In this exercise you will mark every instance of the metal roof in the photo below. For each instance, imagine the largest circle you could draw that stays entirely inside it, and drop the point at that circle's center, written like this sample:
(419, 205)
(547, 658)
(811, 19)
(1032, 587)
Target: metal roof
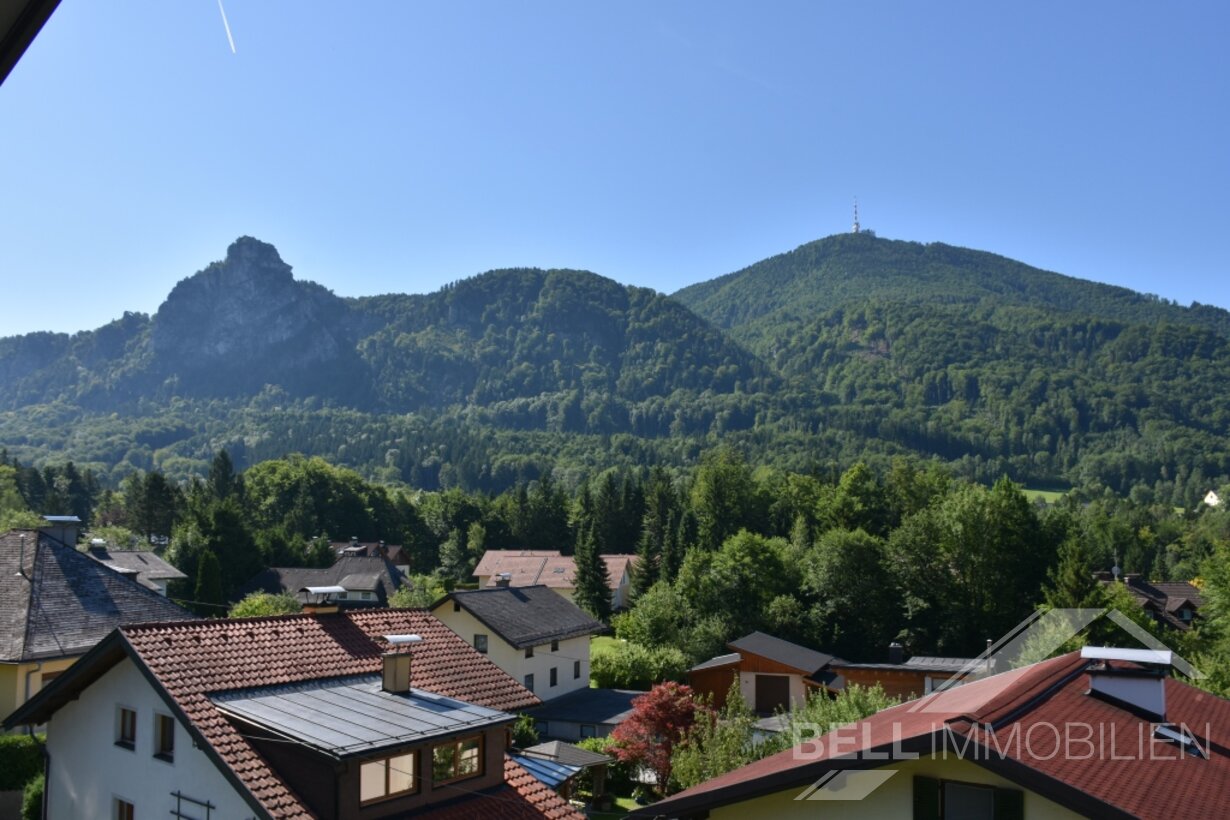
(546, 771)
(352, 715)
(716, 662)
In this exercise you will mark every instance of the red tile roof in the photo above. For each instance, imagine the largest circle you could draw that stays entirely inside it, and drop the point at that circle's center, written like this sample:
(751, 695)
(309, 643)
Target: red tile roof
(549, 568)
(522, 797)
(191, 660)
(1117, 779)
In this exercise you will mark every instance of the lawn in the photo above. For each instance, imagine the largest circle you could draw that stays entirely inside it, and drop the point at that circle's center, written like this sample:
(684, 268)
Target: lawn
(602, 643)
(1048, 496)
(623, 805)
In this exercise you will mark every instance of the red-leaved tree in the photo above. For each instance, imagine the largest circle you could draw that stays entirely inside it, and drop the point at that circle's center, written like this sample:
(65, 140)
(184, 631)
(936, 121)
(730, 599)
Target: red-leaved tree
(659, 720)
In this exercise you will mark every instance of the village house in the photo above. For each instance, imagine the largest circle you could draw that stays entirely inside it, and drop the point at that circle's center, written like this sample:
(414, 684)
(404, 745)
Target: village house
(334, 714)
(1172, 604)
(533, 634)
(364, 581)
(354, 548)
(908, 678)
(147, 568)
(1101, 733)
(56, 603)
(773, 674)
(523, 568)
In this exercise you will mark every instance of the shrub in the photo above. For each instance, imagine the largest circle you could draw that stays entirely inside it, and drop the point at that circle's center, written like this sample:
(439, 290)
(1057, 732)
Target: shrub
(32, 799)
(21, 760)
(633, 666)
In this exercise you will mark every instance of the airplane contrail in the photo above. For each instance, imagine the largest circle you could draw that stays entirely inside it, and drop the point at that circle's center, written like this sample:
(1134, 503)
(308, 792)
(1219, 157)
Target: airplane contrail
(227, 26)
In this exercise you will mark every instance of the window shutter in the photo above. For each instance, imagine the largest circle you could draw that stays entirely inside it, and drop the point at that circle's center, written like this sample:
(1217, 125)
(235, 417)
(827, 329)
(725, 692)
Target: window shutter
(926, 798)
(1009, 804)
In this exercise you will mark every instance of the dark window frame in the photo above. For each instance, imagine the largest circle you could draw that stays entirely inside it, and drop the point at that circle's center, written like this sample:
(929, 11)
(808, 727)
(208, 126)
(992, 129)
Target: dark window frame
(482, 650)
(164, 737)
(126, 728)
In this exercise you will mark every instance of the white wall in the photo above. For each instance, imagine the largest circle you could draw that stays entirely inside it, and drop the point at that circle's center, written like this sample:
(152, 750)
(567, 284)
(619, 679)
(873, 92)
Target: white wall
(514, 662)
(88, 771)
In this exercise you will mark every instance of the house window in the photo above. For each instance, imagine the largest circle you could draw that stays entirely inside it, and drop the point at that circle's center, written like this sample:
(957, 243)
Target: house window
(529, 682)
(554, 677)
(952, 800)
(456, 606)
(164, 737)
(457, 760)
(126, 727)
(529, 653)
(576, 669)
(388, 777)
(124, 810)
(554, 646)
(480, 643)
(367, 596)
(589, 730)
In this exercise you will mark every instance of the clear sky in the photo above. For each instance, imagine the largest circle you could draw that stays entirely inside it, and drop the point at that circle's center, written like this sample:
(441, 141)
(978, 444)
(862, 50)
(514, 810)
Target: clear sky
(396, 146)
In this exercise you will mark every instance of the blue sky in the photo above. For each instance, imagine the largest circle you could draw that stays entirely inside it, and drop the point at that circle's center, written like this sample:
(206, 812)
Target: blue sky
(396, 146)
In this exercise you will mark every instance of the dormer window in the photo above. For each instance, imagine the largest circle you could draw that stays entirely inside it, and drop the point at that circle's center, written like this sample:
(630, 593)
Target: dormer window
(1185, 615)
(457, 760)
(388, 777)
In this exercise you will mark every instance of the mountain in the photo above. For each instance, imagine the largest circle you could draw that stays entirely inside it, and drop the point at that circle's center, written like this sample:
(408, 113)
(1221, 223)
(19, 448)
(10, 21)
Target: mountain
(849, 348)
(770, 298)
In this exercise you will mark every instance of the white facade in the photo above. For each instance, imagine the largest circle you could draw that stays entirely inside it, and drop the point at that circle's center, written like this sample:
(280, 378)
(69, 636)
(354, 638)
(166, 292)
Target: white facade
(570, 660)
(88, 772)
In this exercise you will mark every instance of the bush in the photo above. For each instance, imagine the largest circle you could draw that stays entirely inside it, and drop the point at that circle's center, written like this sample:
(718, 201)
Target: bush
(618, 775)
(32, 799)
(262, 604)
(633, 666)
(21, 760)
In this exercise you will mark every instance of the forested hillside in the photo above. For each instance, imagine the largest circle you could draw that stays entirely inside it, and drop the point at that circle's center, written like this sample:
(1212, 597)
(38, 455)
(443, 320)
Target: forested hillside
(846, 349)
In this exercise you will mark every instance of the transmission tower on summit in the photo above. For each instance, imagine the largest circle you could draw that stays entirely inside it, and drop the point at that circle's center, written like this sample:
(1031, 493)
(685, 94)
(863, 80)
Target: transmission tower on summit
(856, 227)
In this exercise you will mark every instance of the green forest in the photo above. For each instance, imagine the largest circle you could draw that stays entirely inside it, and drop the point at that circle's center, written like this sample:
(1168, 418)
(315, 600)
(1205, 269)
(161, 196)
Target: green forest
(849, 349)
(848, 563)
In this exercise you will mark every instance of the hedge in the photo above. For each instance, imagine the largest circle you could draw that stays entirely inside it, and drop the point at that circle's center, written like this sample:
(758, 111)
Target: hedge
(21, 760)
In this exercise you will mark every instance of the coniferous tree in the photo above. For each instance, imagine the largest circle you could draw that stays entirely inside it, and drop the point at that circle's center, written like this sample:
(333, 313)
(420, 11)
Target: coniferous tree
(208, 596)
(592, 581)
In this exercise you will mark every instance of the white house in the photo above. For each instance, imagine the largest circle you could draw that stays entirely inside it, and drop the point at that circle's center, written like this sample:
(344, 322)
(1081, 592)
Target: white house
(354, 714)
(533, 634)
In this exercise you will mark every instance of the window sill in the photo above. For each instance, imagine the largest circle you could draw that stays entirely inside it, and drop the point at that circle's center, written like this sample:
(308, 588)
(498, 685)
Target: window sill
(164, 758)
(126, 744)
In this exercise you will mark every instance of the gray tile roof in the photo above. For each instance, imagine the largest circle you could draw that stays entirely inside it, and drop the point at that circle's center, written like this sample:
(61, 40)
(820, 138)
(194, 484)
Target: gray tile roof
(525, 616)
(807, 661)
(719, 661)
(348, 716)
(64, 602)
(145, 565)
(605, 706)
(567, 753)
(362, 574)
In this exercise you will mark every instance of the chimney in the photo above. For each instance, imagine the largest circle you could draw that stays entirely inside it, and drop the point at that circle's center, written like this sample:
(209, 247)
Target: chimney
(1136, 680)
(503, 579)
(63, 528)
(397, 664)
(319, 600)
(896, 653)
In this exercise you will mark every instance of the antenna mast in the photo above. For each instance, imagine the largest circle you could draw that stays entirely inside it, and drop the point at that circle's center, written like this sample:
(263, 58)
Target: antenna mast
(856, 227)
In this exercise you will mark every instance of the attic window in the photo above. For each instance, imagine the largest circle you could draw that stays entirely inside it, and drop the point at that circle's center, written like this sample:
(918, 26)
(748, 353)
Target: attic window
(457, 760)
(1181, 737)
(164, 738)
(387, 777)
